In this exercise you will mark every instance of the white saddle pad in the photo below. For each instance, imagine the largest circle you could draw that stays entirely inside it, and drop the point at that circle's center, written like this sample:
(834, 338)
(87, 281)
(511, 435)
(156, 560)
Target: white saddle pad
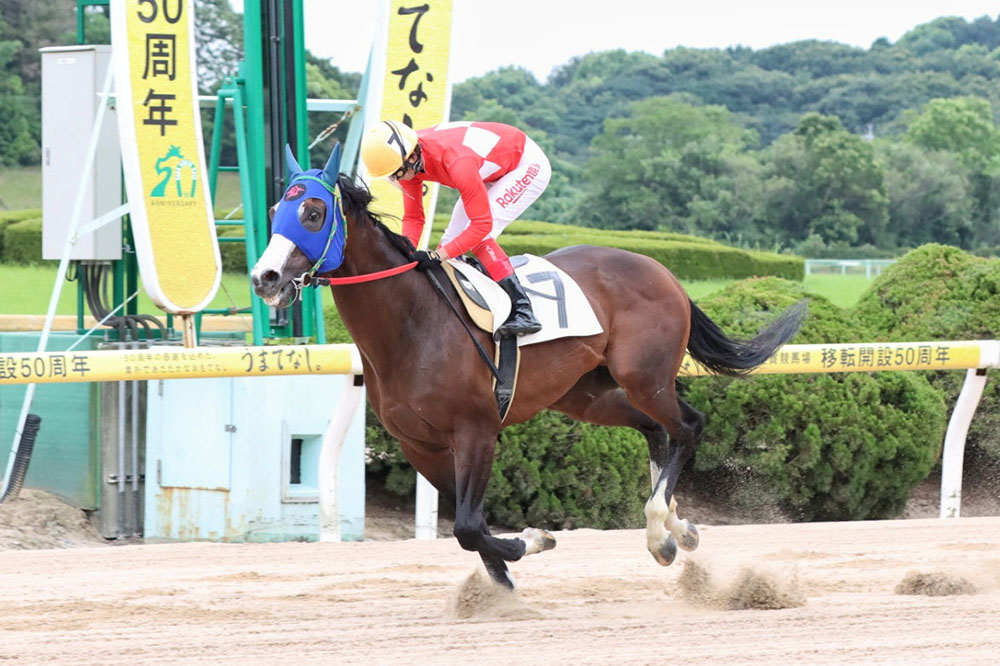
(556, 299)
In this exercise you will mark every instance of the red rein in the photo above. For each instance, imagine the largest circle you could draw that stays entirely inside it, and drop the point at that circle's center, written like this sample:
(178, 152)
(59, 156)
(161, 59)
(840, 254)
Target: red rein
(367, 277)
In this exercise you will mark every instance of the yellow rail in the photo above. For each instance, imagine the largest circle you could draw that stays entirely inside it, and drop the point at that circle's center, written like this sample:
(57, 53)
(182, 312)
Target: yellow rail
(181, 363)
(873, 357)
(177, 363)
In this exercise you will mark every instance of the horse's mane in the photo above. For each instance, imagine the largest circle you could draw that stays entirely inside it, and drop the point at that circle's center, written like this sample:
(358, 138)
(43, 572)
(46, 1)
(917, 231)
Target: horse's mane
(356, 198)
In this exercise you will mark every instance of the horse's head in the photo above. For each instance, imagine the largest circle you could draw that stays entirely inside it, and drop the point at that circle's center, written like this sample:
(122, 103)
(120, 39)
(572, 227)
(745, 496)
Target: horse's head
(308, 231)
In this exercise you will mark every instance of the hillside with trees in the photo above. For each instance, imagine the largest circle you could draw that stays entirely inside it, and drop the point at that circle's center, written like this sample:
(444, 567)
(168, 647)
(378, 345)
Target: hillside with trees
(814, 147)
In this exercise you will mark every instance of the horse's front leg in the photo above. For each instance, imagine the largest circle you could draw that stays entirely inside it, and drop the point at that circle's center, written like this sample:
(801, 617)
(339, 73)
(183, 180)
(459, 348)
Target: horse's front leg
(473, 462)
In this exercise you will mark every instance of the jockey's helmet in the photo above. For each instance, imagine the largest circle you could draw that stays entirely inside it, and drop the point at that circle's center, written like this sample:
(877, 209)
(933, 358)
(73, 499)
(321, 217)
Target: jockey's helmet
(386, 148)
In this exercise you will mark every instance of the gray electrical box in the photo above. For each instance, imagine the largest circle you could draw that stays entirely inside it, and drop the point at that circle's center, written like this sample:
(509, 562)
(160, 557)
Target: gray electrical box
(72, 79)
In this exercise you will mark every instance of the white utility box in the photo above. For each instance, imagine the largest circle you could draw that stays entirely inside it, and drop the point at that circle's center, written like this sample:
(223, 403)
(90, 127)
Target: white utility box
(72, 80)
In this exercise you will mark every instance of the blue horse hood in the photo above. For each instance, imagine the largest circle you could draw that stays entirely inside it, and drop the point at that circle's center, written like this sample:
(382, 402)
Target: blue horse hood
(325, 246)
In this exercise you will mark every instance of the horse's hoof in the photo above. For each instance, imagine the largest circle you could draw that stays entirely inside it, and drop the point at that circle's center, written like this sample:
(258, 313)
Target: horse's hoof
(689, 539)
(536, 540)
(666, 553)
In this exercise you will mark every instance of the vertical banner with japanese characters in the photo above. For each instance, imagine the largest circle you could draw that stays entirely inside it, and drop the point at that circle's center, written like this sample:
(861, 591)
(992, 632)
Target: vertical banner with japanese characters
(166, 177)
(409, 83)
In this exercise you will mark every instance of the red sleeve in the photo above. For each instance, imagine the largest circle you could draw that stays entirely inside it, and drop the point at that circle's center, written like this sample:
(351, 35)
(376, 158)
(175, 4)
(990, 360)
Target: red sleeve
(413, 209)
(464, 173)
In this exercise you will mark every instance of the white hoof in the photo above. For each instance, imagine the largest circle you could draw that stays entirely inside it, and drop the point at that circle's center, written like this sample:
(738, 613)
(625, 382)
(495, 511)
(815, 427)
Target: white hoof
(665, 552)
(536, 540)
(688, 537)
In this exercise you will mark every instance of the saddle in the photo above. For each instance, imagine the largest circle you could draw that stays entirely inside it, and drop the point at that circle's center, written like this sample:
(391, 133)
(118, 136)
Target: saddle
(556, 299)
(506, 353)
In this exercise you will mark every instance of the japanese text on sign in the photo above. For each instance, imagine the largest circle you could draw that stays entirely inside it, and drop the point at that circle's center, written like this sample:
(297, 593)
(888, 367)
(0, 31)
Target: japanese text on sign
(415, 75)
(159, 123)
(863, 357)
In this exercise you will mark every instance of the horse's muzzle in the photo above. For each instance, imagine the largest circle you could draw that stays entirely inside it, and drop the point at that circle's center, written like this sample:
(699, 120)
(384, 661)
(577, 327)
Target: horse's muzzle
(267, 285)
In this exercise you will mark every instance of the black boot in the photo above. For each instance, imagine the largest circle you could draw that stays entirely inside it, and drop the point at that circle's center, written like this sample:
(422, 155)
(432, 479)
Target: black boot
(521, 320)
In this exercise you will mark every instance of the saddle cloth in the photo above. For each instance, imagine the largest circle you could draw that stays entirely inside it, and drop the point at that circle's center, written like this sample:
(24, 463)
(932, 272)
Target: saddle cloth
(556, 299)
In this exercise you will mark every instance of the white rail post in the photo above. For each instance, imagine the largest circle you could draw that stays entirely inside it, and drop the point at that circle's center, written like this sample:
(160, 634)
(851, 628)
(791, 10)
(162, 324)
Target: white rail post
(426, 510)
(953, 457)
(329, 459)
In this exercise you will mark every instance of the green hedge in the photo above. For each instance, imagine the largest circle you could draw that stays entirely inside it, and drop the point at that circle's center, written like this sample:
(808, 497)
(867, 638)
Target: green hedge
(549, 472)
(687, 257)
(22, 242)
(234, 255)
(937, 292)
(817, 446)
(8, 218)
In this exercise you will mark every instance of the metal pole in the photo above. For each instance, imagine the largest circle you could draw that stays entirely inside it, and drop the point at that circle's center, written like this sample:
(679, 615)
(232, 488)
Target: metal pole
(121, 458)
(136, 503)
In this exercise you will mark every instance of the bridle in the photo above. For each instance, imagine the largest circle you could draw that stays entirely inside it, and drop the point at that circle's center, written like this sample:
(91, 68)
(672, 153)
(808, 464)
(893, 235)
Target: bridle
(308, 278)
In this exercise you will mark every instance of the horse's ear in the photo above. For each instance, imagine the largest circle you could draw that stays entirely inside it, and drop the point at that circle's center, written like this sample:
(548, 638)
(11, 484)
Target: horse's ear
(332, 168)
(292, 167)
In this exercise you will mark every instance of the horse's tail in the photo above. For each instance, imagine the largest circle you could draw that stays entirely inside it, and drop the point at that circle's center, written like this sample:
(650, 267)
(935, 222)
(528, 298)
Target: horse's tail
(725, 356)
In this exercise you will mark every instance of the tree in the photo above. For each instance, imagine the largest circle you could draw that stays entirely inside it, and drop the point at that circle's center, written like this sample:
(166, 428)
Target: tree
(648, 168)
(219, 35)
(18, 143)
(825, 181)
(928, 191)
(964, 126)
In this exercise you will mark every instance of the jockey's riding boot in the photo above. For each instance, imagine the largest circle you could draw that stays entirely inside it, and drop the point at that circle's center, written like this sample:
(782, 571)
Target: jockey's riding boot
(521, 320)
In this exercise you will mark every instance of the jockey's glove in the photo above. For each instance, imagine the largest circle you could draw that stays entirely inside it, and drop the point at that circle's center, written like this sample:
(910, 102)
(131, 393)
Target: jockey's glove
(425, 259)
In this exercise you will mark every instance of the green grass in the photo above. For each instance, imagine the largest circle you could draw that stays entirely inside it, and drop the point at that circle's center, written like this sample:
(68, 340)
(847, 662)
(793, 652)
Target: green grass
(841, 290)
(22, 188)
(34, 289)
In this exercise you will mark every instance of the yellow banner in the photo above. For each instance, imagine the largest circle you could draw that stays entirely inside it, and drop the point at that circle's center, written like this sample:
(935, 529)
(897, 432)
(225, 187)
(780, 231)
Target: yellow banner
(177, 363)
(866, 357)
(415, 87)
(162, 152)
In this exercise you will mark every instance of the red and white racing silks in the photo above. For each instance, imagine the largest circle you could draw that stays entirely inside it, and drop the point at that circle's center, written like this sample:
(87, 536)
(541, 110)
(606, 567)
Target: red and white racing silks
(497, 169)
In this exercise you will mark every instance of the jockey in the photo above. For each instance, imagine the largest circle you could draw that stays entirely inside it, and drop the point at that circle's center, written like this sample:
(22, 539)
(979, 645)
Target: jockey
(498, 171)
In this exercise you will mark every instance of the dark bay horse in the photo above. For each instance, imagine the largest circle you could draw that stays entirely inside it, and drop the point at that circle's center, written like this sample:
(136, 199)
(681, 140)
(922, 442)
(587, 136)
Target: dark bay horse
(432, 391)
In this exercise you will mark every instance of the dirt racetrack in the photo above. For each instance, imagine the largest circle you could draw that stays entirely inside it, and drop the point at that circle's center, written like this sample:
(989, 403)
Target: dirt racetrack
(827, 593)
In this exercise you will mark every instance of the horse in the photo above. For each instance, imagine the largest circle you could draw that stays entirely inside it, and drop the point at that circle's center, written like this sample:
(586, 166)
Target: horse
(431, 390)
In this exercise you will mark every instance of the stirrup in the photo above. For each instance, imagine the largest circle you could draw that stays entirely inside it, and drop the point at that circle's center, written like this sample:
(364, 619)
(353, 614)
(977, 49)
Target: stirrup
(515, 327)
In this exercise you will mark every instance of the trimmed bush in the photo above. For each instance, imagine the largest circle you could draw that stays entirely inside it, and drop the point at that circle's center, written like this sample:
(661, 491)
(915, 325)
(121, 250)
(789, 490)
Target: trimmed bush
(548, 472)
(22, 242)
(687, 257)
(819, 447)
(8, 218)
(690, 261)
(937, 292)
(234, 255)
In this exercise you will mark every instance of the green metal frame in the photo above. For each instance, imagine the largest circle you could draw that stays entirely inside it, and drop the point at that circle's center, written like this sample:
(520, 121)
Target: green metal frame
(233, 92)
(248, 94)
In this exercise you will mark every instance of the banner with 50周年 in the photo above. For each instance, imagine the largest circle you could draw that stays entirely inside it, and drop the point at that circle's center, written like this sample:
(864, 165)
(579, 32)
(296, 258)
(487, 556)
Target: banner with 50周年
(163, 156)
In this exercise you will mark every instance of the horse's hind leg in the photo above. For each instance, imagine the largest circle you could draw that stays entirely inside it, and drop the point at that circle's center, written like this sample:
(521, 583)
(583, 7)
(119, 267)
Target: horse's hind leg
(665, 464)
(597, 398)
